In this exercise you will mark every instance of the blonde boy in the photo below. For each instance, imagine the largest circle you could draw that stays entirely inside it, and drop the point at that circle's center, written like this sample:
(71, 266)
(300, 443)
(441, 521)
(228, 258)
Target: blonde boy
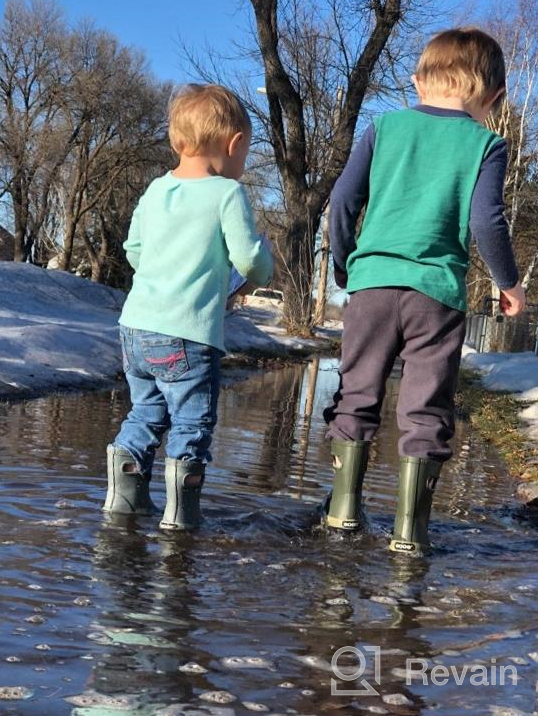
(426, 175)
(189, 227)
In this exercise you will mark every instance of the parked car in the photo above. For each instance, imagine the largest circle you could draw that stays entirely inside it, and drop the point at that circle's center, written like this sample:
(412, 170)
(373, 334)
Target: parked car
(264, 297)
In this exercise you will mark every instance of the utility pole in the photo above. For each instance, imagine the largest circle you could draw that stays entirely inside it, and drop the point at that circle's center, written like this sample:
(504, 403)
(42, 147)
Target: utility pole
(321, 297)
(325, 248)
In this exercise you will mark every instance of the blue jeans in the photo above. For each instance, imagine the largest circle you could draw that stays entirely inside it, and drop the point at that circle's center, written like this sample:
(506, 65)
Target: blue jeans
(174, 385)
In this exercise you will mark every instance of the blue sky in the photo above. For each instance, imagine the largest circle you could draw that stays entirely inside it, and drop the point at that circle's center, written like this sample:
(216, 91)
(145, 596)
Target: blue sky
(155, 25)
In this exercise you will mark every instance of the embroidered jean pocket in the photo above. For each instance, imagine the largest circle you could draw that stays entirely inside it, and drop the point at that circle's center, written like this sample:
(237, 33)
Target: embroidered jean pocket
(165, 357)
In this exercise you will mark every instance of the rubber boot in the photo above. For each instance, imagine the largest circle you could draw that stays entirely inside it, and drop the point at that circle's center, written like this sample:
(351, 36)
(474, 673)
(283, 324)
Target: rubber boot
(344, 508)
(418, 477)
(128, 492)
(182, 510)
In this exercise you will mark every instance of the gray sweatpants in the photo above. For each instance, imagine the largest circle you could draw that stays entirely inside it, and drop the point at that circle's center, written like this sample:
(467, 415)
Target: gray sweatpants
(379, 325)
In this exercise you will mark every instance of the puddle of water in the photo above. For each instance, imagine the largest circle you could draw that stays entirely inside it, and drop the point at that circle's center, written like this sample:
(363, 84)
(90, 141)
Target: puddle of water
(102, 618)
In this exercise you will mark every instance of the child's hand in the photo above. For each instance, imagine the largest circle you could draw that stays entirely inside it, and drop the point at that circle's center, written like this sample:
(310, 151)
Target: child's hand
(512, 300)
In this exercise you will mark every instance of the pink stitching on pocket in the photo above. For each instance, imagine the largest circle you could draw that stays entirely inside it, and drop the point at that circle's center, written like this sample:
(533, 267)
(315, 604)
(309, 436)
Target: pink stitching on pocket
(169, 361)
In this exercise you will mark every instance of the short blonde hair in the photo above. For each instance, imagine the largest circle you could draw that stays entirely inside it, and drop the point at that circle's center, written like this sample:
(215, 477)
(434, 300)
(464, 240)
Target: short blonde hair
(202, 115)
(464, 62)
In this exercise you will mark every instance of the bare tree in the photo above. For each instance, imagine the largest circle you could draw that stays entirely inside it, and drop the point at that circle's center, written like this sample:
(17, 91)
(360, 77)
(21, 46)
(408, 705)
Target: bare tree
(298, 57)
(31, 147)
(307, 51)
(119, 116)
(82, 133)
(517, 122)
(104, 229)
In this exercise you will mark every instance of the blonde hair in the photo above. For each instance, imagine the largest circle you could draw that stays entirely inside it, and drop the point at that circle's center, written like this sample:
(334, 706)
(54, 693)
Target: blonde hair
(202, 115)
(464, 62)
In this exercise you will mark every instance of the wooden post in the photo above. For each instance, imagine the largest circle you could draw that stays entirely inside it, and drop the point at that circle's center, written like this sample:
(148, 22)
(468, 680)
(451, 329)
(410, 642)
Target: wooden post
(325, 252)
(325, 248)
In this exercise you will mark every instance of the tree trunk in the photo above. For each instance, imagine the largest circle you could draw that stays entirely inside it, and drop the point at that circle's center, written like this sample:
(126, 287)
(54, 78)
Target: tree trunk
(299, 277)
(97, 270)
(298, 305)
(20, 252)
(529, 273)
(64, 262)
(103, 258)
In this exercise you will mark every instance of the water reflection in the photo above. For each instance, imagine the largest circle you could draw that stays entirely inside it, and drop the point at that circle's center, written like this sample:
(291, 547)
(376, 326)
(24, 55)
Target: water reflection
(109, 615)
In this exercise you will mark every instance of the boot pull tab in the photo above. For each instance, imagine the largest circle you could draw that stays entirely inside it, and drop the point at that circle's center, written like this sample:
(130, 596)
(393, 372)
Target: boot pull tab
(129, 468)
(194, 476)
(192, 479)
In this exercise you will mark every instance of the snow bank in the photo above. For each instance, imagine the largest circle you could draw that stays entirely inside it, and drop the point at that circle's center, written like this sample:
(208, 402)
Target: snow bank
(268, 320)
(515, 373)
(57, 331)
(242, 336)
(511, 372)
(60, 332)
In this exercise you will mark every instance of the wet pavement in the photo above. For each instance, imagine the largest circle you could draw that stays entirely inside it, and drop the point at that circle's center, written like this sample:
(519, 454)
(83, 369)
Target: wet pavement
(104, 618)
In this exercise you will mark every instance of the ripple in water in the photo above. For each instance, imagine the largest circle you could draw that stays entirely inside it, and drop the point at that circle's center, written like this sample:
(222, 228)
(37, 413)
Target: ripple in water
(110, 616)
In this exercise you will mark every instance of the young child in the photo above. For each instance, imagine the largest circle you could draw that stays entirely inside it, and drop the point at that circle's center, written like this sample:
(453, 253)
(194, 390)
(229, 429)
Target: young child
(189, 227)
(426, 175)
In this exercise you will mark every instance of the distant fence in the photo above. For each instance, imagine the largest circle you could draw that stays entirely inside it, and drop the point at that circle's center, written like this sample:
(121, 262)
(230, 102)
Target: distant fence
(492, 331)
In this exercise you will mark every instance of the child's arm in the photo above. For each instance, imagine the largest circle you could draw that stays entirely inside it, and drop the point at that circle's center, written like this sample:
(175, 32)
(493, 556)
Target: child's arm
(348, 196)
(247, 251)
(490, 229)
(133, 244)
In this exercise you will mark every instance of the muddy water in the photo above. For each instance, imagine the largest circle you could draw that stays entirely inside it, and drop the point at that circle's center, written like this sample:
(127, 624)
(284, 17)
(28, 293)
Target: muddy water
(102, 618)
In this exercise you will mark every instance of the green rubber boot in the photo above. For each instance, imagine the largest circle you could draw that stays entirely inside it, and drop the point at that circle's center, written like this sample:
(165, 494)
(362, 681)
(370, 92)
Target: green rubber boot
(344, 509)
(418, 477)
(128, 492)
(182, 510)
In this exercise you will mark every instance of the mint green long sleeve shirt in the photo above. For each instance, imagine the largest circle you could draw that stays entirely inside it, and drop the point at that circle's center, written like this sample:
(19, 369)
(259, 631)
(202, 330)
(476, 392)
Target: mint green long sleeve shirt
(185, 234)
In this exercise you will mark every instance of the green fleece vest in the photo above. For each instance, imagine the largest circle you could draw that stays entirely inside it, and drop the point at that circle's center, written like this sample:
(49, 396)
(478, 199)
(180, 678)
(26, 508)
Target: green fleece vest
(415, 231)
